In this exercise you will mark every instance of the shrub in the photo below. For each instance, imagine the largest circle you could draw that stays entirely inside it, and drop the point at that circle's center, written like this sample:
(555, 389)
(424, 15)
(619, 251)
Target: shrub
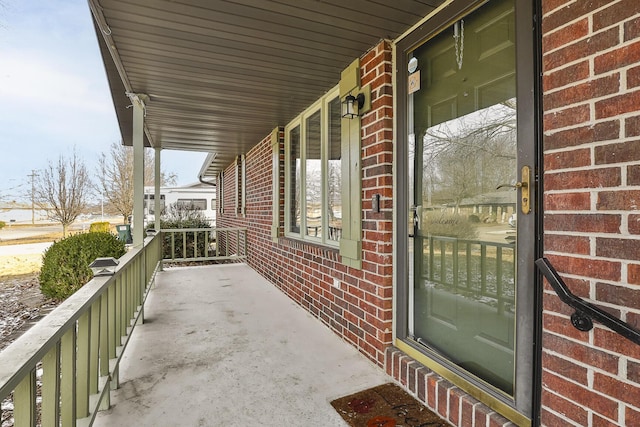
(100, 227)
(181, 216)
(2, 225)
(65, 265)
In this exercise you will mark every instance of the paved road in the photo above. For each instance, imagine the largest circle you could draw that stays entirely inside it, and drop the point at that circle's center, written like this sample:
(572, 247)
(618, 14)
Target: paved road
(23, 232)
(25, 249)
(15, 233)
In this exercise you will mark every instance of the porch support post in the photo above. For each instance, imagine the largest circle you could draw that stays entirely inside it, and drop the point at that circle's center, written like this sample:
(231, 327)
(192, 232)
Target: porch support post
(156, 198)
(138, 168)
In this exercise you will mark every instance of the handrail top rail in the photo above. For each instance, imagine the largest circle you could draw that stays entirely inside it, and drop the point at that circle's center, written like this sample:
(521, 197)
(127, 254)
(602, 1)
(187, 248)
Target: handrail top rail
(180, 230)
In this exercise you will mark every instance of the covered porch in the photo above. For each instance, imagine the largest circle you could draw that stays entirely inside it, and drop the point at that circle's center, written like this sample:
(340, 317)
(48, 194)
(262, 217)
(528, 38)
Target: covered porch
(221, 346)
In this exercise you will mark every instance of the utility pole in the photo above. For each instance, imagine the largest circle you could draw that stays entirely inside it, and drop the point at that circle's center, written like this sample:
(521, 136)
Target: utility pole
(33, 193)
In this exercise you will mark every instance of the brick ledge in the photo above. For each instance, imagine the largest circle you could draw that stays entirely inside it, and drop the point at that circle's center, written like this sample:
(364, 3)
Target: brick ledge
(438, 394)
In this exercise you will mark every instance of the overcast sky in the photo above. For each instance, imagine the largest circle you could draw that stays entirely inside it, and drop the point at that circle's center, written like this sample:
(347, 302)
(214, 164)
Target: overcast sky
(54, 94)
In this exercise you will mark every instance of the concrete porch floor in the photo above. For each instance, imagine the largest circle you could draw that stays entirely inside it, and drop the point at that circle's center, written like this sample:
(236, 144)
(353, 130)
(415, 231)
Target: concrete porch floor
(221, 346)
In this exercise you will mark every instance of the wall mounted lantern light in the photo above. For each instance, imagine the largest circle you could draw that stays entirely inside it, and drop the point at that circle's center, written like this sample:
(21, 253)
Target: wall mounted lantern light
(351, 106)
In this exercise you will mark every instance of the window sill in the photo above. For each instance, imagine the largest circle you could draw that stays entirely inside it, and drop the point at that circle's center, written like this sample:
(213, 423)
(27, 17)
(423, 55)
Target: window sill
(311, 247)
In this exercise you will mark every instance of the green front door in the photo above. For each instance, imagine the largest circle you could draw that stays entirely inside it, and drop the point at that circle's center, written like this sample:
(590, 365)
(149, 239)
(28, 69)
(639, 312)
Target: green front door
(466, 194)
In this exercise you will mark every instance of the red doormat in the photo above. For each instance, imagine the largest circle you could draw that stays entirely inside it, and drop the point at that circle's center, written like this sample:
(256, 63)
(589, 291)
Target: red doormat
(386, 405)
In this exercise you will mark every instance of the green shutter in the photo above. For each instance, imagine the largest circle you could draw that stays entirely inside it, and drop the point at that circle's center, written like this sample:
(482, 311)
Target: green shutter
(351, 240)
(275, 205)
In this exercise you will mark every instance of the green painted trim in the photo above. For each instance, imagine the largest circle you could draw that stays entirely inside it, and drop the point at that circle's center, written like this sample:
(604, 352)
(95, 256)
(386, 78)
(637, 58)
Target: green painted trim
(275, 187)
(351, 154)
(94, 346)
(68, 377)
(24, 396)
(470, 388)
(243, 186)
(82, 365)
(350, 248)
(138, 174)
(51, 387)
(350, 78)
(236, 167)
(355, 179)
(275, 140)
(353, 263)
(104, 334)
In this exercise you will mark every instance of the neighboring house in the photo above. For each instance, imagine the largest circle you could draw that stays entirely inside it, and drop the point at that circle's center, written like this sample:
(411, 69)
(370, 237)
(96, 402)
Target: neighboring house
(197, 196)
(459, 97)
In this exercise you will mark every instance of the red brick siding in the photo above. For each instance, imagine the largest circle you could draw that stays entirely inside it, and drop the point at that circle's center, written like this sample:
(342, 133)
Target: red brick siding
(591, 103)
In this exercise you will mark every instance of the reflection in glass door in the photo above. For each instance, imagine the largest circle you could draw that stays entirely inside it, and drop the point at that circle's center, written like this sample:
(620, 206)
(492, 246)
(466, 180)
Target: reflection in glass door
(464, 167)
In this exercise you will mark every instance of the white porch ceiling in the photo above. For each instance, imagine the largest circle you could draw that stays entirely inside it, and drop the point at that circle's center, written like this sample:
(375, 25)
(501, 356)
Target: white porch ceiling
(221, 74)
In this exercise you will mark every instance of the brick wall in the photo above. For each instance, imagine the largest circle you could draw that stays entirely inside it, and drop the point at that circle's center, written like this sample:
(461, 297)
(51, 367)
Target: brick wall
(591, 84)
(360, 308)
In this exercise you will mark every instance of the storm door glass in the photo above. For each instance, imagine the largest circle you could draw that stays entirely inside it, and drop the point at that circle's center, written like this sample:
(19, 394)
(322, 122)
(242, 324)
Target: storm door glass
(463, 148)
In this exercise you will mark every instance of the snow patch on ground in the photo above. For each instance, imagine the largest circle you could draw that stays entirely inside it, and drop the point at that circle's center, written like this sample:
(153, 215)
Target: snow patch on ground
(21, 305)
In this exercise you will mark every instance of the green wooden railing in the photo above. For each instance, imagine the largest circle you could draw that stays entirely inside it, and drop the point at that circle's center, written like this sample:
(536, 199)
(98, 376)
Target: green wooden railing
(204, 244)
(69, 361)
(471, 267)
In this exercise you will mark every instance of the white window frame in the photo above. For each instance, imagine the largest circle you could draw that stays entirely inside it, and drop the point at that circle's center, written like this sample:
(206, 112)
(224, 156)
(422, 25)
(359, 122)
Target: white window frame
(320, 105)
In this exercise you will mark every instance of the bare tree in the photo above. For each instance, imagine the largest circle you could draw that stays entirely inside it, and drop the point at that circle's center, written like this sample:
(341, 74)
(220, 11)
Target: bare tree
(62, 190)
(470, 155)
(115, 181)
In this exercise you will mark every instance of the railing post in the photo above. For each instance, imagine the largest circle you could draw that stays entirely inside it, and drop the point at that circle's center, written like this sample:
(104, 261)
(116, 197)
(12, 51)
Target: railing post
(122, 306)
(68, 375)
(161, 251)
(483, 269)
(499, 285)
(142, 284)
(184, 244)
(443, 261)
(82, 366)
(51, 387)
(105, 345)
(94, 348)
(134, 278)
(455, 264)
(24, 398)
(432, 255)
(112, 319)
(468, 262)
